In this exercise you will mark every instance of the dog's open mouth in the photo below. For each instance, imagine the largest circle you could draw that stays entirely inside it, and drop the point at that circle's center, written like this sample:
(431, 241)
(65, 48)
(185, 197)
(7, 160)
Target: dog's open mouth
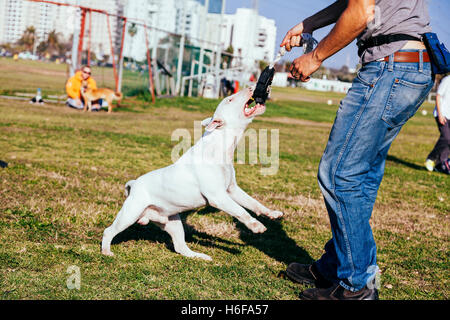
(252, 109)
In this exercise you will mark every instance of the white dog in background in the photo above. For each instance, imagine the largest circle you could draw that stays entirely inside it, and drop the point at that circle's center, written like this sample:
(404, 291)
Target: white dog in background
(203, 175)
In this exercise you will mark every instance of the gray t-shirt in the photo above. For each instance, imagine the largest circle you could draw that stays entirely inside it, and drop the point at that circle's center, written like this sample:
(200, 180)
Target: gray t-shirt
(394, 17)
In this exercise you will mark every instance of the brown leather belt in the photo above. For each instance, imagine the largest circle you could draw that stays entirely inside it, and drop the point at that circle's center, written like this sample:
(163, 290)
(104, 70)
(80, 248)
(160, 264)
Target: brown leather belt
(406, 56)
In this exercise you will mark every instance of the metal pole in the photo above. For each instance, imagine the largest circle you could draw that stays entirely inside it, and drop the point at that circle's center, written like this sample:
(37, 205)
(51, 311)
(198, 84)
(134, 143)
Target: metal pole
(81, 38)
(124, 30)
(202, 45)
(149, 63)
(191, 79)
(219, 49)
(181, 51)
(76, 39)
(155, 41)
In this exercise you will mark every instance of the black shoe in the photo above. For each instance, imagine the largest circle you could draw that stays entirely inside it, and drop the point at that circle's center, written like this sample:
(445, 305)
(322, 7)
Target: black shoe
(443, 167)
(307, 274)
(337, 292)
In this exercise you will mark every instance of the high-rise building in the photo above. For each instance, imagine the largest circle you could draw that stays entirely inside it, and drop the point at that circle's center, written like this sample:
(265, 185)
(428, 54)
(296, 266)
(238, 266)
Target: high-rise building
(17, 15)
(252, 36)
(155, 14)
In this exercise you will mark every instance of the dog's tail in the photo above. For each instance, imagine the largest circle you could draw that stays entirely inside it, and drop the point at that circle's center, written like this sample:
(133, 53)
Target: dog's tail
(128, 186)
(119, 97)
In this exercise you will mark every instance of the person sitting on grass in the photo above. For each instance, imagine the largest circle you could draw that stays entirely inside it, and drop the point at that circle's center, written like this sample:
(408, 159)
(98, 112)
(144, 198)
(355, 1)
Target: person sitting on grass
(73, 89)
(438, 158)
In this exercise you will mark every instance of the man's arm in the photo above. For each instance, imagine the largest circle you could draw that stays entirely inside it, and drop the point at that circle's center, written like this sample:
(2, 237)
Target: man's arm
(70, 90)
(319, 20)
(92, 84)
(441, 91)
(442, 120)
(325, 17)
(350, 24)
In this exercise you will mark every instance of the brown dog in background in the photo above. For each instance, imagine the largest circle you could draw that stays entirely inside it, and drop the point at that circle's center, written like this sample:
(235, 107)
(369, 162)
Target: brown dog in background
(90, 95)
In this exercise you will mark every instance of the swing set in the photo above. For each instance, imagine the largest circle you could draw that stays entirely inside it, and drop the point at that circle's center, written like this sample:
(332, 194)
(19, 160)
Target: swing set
(87, 12)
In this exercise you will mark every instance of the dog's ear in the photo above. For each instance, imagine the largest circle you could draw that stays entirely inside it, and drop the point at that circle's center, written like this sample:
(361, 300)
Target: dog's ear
(214, 124)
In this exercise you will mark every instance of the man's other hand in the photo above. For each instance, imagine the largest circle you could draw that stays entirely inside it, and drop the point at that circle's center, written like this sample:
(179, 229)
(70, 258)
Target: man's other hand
(442, 120)
(304, 66)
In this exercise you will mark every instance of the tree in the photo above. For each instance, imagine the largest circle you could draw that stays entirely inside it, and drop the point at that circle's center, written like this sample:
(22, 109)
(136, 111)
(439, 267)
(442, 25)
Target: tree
(262, 65)
(53, 45)
(28, 38)
(228, 58)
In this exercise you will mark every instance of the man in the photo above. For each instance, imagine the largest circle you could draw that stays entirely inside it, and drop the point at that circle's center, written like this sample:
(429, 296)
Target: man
(438, 158)
(73, 89)
(394, 80)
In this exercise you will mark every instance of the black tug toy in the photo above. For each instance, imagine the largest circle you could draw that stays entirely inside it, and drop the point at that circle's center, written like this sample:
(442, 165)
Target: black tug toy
(262, 89)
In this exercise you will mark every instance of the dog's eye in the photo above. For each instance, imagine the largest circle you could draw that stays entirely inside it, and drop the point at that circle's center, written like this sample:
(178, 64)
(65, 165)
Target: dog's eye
(230, 99)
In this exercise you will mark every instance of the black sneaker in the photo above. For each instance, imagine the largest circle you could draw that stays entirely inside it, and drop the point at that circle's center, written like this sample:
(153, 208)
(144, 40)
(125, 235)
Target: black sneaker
(337, 292)
(443, 167)
(307, 274)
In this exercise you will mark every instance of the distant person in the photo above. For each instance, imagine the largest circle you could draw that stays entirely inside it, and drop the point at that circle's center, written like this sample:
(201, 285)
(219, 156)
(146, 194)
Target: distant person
(395, 78)
(438, 158)
(73, 89)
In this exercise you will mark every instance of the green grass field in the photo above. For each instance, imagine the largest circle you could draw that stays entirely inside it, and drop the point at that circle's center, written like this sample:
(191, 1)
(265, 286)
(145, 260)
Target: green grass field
(64, 185)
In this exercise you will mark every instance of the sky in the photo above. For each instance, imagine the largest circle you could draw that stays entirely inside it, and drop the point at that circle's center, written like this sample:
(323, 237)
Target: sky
(288, 13)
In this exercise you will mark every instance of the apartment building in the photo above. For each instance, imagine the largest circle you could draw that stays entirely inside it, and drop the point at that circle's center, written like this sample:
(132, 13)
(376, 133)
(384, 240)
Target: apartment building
(20, 14)
(253, 37)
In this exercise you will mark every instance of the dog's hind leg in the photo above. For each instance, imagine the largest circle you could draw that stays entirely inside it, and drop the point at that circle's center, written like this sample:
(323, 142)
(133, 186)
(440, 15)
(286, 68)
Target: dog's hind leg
(174, 227)
(110, 106)
(128, 215)
(152, 213)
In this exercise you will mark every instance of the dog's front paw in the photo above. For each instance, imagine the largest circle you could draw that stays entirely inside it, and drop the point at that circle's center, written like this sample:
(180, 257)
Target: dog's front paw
(275, 215)
(256, 226)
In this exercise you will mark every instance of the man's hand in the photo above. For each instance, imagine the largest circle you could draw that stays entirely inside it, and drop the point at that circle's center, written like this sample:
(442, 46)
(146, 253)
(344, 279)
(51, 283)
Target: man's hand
(442, 120)
(304, 66)
(293, 37)
(351, 16)
(319, 20)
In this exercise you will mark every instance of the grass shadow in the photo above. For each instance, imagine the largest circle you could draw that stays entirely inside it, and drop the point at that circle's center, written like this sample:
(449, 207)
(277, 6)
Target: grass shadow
(405, 163)
(153, 233)
(275, 243)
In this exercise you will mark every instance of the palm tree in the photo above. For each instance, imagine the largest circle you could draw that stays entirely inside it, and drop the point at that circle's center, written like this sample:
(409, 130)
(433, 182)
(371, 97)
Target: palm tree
(28, 38)
(54, 47)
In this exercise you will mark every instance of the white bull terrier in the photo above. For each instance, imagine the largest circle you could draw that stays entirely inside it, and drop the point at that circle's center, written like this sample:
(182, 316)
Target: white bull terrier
(203, 175)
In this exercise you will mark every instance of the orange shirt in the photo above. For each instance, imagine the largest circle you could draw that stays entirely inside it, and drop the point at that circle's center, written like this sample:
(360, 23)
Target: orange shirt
(73, 85)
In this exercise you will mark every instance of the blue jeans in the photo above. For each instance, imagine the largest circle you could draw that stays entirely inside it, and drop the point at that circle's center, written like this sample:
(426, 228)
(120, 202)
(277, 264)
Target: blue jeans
(72, 104)
(383, 96)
